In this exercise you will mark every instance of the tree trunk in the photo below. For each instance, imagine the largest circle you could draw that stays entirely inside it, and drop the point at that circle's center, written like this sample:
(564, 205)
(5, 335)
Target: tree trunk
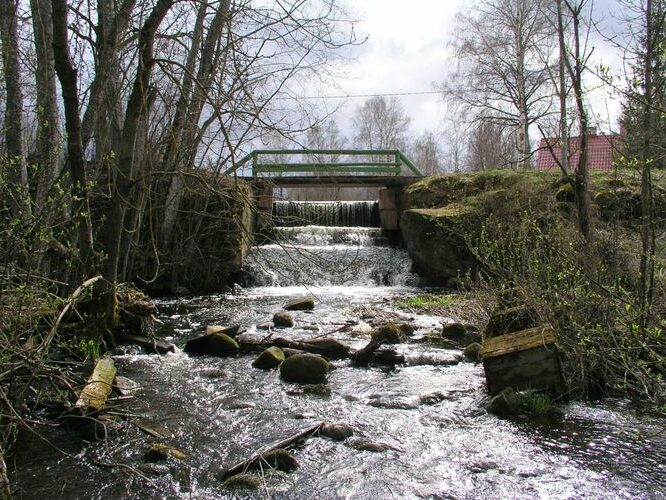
(188, 136)
(564, 128)
(16, 163)
(126, 164)
(647, 156)
(70, 97)
(48, 137)
(581, 191)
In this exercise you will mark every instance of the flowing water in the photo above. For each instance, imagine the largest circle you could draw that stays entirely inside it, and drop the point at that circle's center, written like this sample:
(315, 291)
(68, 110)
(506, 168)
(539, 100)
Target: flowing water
(425, 416)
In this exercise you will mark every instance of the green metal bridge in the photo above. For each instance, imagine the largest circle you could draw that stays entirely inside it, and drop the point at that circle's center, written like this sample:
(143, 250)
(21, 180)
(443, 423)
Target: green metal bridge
(368, 167)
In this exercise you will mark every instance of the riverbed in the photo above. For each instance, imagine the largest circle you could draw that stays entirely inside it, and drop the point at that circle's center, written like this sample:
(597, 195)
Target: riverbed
(420, 428)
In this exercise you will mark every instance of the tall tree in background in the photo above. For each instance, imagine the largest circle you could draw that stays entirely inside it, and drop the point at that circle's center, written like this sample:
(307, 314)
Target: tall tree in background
(489, 146)
(426, 153)
(381, 124)
(15, 171)
(504, 53)
(644, 118)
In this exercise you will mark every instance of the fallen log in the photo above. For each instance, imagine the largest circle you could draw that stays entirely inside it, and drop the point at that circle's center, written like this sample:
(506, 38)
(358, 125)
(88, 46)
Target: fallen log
(328, 348)
(99, 385)
(256, 460)
(363, 356)
(153, 346)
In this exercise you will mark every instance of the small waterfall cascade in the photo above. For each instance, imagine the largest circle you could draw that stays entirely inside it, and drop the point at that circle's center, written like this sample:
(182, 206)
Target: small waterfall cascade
(326, 213)
(325, 244)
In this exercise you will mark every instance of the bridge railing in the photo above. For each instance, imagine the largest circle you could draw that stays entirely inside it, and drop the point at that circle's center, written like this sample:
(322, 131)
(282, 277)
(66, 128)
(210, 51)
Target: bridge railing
(391, 163)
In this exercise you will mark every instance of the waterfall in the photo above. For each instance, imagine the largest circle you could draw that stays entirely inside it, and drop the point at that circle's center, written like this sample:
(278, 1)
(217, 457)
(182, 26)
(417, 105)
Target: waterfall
(326, 244)
(326, 213)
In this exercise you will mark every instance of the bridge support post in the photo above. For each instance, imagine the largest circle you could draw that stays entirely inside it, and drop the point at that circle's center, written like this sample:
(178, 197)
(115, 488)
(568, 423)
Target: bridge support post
(263, 195)
(389, 209)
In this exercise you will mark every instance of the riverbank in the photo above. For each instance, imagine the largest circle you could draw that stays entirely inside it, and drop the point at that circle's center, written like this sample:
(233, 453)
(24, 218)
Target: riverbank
(514, 232)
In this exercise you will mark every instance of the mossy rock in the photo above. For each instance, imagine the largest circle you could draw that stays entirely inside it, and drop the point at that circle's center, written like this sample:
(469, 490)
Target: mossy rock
(337, 432)
(269, 359)
(216, 344)
(243, 481)
(231, 331)
(454, 331)
(302, 304)
(281, 459)
(283, 320)
(472, 352)
(510, 320)
(388, 333)
(304, 369)
(565, 193)
(436, 240)
(321, 390)
(160, 452)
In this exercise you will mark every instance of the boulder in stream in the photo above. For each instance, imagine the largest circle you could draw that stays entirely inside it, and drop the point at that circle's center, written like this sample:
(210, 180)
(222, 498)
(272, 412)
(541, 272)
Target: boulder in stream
(280, 459)
(300, 304)
(232, 331)
(269, 359)
(473, 352)
(337, 432)
(160, 452)
(243, 481)
(388, 333)
(283, 320)
(216, 344)
(304, 369)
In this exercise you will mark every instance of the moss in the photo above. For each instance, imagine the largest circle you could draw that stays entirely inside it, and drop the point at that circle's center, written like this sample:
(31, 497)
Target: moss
(388, 333)
(243, 481)
(269, 359)
(426, 302)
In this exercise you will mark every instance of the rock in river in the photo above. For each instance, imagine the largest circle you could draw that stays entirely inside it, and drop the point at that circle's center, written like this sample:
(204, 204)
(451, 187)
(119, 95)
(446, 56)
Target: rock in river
(216, 344)
(269, 359)
(283, 319)
(281, 459)
(305, 369)
(301, 304)
(337, 432)
(243, 481)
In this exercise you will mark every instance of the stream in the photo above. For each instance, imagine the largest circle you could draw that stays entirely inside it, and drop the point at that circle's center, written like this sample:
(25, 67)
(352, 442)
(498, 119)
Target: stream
(431, 436)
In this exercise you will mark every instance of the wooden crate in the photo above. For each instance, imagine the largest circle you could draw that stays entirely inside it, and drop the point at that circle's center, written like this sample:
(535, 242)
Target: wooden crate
(527, 359)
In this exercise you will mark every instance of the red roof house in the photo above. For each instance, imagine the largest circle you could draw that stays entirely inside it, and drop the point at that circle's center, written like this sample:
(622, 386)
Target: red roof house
(601, 151)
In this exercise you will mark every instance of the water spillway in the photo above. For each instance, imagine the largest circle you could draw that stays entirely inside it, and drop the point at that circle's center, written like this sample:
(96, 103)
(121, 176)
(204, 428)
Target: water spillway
(326, 213)
(334, 244)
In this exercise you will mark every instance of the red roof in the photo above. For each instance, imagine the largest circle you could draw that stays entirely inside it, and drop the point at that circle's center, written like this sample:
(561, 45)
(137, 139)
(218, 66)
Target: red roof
(601, 151)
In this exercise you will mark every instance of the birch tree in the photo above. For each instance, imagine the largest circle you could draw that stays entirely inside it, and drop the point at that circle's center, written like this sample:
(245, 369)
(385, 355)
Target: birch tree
(503, 54)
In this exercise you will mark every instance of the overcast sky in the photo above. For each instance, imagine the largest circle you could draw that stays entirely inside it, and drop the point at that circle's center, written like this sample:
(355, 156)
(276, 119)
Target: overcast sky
(408, 51)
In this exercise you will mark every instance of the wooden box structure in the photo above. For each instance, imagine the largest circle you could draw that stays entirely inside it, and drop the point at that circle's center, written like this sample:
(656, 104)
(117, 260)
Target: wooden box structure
(527, 359)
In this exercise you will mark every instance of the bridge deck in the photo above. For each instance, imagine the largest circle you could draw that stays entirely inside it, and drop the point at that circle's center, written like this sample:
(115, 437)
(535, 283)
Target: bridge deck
(338, 180)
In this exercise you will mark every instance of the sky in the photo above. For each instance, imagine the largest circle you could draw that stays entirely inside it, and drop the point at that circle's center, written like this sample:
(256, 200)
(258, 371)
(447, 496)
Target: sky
(408, 51)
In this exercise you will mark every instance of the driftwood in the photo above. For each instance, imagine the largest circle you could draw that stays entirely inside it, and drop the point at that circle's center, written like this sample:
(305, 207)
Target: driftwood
(256, 460)
(151, 345)
(329, 348)
(363, 356)
(99, 385)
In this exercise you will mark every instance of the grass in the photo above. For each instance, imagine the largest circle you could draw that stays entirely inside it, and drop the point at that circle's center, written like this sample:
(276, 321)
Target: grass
(427, 302)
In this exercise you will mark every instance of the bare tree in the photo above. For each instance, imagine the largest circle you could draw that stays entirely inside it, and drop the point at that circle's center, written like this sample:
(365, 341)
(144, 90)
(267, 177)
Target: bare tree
(489, 146)
(426, 153)
(381, 124)
(15, 163)
(504, 51)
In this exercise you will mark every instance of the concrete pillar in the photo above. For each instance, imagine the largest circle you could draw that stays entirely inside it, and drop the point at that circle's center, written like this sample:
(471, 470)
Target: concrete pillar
(389, 215)
(263, 196)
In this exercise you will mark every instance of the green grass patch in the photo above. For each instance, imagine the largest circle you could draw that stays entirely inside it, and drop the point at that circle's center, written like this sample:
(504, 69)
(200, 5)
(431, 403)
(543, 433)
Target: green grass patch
(426, 302)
